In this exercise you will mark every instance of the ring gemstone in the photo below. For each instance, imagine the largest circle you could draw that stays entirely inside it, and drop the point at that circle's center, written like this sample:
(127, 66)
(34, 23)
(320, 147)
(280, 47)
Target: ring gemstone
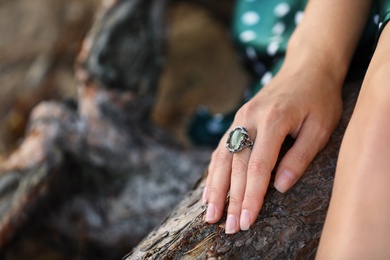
(238, 139)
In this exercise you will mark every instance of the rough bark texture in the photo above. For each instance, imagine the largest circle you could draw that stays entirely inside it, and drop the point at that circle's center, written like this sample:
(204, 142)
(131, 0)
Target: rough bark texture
(288, 226)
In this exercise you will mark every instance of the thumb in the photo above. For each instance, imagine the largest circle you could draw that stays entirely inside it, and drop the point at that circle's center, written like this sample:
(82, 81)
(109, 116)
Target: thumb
(300, 155)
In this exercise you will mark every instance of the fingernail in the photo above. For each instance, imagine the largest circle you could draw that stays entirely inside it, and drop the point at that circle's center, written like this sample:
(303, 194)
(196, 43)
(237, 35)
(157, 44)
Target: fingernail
(231, 224)
(284, 181)
(210, 213)
(245, 219)
(206, 193)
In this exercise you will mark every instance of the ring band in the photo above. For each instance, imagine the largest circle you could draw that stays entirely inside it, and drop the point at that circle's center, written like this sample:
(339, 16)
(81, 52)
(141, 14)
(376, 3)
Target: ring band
(238, 139)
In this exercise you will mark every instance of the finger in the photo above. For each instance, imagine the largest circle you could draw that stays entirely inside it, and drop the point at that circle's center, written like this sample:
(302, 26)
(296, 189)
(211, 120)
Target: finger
(219, 185)
(237, 189)
(211, 168)
(261, 162)
(206, 191)
(309, 142)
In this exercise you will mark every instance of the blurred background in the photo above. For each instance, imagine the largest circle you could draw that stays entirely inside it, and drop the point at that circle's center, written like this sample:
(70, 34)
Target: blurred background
(39, 41)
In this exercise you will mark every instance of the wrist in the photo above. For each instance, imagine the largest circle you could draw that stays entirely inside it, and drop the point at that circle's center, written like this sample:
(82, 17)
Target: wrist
(309, 53)
(327, 44)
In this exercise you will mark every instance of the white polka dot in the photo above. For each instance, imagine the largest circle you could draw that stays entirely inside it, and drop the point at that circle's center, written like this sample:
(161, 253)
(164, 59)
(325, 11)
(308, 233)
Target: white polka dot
(276, 38)
(272, 48)
(380, 25)
(298, 17)
(247, 36)
(278, 28)
(250, 18)
(267, 77)
(251, 53)
(376, 18)
(282, 9)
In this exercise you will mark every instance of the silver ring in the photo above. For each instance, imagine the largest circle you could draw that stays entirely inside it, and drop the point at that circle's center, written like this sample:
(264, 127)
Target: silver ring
(238, 139)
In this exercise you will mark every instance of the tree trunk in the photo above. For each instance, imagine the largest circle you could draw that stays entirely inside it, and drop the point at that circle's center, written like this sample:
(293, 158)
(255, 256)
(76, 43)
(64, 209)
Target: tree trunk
(288, 226)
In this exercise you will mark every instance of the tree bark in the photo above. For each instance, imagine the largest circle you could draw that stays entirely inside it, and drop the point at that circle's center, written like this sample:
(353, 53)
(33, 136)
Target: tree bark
(288, 226)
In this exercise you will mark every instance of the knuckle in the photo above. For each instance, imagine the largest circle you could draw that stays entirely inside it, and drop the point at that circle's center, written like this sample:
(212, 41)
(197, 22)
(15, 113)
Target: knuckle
(256, 166)
(272, 110)
(323, 134)
(215, 192)
(234, 202)
(238, 172)
(246, 111)
(252, 199)
(302, 157)
(275, 113)
(221, 158)
(322, 130)
(276, 119)
(239, 167)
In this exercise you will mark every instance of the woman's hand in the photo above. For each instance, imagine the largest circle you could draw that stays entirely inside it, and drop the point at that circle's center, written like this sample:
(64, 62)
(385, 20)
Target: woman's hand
(305, 104)
(303, 100)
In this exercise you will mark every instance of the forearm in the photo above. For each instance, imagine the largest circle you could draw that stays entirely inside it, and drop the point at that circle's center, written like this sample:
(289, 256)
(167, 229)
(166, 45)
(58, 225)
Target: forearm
(328, 35)
(358, 223)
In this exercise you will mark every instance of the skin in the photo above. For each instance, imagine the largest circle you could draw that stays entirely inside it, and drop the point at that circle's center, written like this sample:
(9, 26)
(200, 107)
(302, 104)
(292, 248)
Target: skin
(303, 100)
(357, 224)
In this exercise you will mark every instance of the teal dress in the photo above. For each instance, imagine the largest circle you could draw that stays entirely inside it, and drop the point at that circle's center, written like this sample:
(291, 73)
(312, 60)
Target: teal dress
(261, 30)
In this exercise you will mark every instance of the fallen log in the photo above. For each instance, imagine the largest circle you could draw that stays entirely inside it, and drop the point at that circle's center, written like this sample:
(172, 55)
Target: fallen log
(288, 226)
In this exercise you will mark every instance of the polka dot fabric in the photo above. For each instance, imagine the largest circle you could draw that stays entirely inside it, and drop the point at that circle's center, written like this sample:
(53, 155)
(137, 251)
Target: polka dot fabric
(384, 13)
(266, 25)
(262, 29)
